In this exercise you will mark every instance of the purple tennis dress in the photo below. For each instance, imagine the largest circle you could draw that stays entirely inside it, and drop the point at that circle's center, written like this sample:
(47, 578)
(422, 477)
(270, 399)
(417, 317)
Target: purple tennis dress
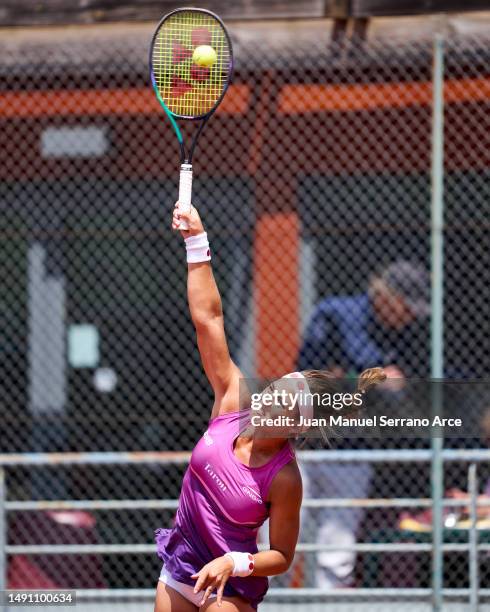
(221, 507)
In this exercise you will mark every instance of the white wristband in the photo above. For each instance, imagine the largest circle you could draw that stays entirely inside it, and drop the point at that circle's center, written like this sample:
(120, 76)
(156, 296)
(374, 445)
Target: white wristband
(197, 248)
(243, 563)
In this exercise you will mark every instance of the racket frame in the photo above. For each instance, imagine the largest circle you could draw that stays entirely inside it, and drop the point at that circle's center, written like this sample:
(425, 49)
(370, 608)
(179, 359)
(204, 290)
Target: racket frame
(185, 182)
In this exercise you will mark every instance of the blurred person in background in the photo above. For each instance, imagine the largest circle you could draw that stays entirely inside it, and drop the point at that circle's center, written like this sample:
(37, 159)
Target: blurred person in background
(483, 512)
(380, 325)
(385, 325)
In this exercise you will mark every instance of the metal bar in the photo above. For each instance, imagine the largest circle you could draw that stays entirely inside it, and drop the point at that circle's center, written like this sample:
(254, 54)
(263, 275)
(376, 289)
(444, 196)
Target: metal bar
(96, 504)
(401, 502)
(383, 548)
(275, 593)
(437, 314)
(322, 502)
(182, 458)
(172, 504)
(437, 490)
(477, 455)
(362, 593)
(391, 456)
(123, 549)
(375, 456)
(55, 459)
(473, 537)
(378, 456)
(3, 534)
(80, 549)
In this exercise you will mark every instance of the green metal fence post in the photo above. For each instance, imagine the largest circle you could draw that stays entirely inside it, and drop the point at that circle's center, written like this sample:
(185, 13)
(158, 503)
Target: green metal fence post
(473, 538)
(3, 540)
(437, 314)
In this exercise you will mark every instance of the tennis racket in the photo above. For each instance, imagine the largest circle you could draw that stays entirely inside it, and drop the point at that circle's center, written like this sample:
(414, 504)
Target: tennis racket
(191, 62)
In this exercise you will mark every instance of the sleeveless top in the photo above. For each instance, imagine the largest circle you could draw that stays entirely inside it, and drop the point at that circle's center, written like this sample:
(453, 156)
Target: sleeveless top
(221, 507)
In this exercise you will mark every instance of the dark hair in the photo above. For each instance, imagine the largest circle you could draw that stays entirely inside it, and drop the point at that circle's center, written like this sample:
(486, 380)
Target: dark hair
(322, 382)
(370, 378)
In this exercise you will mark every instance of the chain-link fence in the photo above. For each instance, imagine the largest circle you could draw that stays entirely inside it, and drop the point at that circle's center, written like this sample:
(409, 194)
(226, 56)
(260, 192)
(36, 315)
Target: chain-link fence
(314, 183)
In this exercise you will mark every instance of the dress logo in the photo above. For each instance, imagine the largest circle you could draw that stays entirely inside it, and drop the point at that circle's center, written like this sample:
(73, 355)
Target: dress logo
(252, 494)
(208, 440)
(208, 468)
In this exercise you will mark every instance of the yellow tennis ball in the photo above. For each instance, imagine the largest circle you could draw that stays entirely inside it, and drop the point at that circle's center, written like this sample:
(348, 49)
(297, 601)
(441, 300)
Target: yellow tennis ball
(204, 55)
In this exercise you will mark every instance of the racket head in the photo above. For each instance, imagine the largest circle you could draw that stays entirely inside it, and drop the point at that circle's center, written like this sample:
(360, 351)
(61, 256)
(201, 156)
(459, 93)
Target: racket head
(185, 89)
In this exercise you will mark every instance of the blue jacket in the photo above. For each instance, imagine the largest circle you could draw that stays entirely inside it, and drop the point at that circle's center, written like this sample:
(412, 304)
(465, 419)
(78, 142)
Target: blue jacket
(343, 332)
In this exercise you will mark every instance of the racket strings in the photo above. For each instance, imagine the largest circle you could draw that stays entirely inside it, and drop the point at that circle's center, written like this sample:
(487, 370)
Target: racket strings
(187, 89)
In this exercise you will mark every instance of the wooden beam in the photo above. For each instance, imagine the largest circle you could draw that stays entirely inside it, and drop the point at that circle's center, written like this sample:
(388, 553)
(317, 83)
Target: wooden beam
(32, 12)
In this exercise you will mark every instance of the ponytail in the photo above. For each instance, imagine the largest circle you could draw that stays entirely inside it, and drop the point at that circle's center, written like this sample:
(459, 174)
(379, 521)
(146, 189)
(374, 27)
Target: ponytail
(369, 378)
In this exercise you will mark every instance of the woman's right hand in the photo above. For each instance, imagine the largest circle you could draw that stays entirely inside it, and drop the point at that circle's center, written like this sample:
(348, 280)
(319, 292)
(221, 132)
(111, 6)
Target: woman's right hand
(214, 575)
(193, 221)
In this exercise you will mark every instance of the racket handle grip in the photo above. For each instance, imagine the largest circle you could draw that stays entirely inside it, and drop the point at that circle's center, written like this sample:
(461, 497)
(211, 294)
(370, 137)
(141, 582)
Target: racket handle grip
(185, 191)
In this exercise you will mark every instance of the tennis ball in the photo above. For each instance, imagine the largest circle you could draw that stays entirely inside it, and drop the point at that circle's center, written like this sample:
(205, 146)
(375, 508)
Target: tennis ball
(204, 55)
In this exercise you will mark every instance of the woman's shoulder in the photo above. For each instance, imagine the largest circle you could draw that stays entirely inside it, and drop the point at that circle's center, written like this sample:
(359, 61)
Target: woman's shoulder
(289, 473)
(234, 400)
(287, 482)
(235, 422)
(230, 416)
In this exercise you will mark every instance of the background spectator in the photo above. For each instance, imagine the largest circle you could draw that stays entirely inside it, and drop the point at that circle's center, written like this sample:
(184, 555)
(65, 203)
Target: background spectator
(384, 325)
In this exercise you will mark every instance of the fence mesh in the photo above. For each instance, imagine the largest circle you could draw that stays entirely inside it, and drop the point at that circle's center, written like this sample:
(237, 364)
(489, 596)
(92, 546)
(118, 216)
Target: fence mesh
(314, 184)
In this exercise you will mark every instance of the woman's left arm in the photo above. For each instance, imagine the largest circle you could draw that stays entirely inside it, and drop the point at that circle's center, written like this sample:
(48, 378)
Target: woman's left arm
(285, 496)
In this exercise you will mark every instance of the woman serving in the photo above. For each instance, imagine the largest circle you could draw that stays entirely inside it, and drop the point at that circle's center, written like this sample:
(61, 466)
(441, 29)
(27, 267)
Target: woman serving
(235, 481)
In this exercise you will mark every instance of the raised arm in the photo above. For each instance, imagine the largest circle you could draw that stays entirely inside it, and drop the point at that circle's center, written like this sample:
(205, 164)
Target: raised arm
(207, 316)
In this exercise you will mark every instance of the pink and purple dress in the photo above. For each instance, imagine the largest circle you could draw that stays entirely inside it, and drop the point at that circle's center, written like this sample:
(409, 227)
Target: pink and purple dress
(222, 505)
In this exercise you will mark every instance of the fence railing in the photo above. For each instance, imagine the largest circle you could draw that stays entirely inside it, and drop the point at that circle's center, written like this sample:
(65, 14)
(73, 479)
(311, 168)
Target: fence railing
(54, 460)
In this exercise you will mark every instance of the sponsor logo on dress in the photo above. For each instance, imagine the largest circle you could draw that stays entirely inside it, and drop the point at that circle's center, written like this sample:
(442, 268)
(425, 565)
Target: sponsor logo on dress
(214, 477)
(252, 494)
(208, 440)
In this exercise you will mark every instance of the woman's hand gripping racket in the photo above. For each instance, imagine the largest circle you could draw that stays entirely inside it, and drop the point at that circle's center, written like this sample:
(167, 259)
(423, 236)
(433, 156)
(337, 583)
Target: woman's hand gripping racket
(191, 62)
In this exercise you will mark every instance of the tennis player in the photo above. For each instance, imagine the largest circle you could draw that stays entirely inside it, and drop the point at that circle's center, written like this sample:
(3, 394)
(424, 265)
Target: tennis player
(234, 481)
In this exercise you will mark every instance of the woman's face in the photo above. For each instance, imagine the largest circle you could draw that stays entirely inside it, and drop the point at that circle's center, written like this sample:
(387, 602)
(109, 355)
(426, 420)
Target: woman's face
(392, 310)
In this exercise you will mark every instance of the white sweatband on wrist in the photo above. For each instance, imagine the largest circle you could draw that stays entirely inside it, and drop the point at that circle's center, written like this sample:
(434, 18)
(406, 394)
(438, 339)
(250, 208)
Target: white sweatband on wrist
(243, 563)
(197, 248)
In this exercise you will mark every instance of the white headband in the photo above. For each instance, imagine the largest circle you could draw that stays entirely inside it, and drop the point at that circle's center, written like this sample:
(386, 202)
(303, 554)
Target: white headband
(305, 399)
